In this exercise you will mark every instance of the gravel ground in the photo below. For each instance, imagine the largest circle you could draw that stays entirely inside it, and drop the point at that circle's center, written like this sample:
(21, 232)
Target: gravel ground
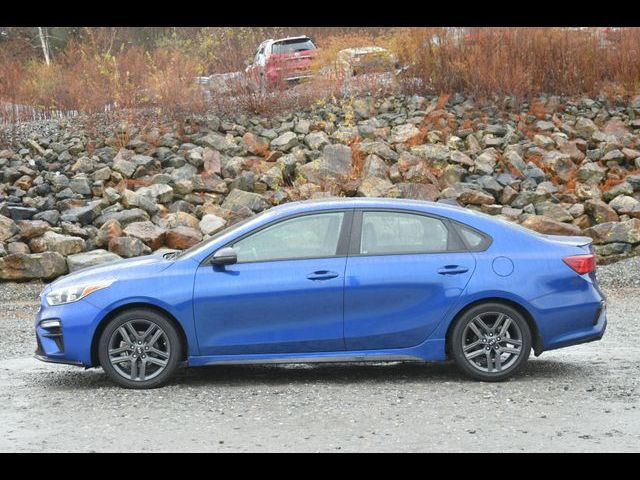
(584, 398)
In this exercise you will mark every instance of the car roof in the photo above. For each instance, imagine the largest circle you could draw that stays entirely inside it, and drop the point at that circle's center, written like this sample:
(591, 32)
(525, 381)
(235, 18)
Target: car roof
(287, 39)
(368, 202)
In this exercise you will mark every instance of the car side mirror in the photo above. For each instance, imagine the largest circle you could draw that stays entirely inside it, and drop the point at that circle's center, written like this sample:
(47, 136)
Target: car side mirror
(225, 256)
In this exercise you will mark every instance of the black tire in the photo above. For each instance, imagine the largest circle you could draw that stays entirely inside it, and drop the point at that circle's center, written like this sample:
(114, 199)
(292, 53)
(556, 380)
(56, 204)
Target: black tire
(168, 344)
(489, 353)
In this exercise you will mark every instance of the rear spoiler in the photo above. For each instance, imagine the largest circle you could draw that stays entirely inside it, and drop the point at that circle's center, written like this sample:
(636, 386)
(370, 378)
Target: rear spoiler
(574, 241)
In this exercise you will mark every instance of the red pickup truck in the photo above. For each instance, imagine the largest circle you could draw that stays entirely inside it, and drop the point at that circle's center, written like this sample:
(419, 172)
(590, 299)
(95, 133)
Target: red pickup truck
(284, 60)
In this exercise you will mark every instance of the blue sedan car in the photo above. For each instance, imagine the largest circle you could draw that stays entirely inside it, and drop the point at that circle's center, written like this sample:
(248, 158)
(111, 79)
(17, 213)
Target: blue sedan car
(331, 281)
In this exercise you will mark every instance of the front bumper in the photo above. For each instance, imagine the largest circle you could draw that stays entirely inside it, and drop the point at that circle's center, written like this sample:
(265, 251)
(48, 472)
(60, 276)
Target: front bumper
(71, 343)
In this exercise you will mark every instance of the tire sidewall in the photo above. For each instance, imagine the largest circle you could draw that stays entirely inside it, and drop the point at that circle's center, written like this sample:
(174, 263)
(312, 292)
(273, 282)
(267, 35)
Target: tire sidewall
(456, 342)
(151, 316)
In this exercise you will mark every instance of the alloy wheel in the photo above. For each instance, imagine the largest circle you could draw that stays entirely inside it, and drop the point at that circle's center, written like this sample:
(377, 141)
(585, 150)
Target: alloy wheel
(139, 350)
(492, 342)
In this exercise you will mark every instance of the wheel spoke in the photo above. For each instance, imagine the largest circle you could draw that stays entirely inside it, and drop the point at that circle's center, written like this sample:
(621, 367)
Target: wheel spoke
(510, 350)
(498, 360)
(118, 351)
(475, 354)
(117, 360)
(150, 330)
(472, 345)
(512, 341)
(482, 325)
(489, 360)
(134, 369)
(505, 326)
(124, 334)
(496, 324)
(132, 331)
(157, 361)
(143, 369)
(157, 352)
(155, 337)
(475, 329)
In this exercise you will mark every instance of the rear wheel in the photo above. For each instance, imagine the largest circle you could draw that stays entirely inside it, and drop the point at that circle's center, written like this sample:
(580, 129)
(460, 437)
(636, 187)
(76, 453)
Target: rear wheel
(491, 342)
(139, 349)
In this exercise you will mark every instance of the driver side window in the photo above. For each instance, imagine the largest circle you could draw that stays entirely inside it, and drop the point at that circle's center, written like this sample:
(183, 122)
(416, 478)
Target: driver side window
(308, 236)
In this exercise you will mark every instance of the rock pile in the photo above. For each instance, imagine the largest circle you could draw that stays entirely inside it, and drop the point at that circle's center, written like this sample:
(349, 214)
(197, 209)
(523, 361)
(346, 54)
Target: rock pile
(70, 199)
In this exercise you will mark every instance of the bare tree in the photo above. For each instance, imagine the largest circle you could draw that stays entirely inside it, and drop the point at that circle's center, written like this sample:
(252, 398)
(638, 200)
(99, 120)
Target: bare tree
(44, 42)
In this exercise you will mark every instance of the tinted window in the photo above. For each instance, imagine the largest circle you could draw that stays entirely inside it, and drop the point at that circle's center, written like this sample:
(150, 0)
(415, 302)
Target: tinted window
(393, 232)
(292, 46)
(310, 236)
(474, 239)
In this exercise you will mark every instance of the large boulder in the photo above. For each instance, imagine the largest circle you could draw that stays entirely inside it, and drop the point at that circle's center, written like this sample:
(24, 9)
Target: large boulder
(377, 187)
(84, 214)
(128, 247)
(610, 232)
(335, 163)
(284, 142)
(32, 228)
(182, 238)
(403, 133)
(475, 197)
(210, 224)
(8, 228)
(600, 211)
(149, 233)
(90, 259)
(239, 199)
(20, 266)
(549, 226)
(63, 244)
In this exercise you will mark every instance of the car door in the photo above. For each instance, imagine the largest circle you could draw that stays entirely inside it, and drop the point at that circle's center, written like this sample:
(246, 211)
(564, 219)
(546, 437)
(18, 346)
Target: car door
(285, 293)
(404, 273)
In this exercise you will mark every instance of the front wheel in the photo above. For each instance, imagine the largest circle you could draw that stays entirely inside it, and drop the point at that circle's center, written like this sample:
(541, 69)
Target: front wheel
(491, 342)
(139, 349)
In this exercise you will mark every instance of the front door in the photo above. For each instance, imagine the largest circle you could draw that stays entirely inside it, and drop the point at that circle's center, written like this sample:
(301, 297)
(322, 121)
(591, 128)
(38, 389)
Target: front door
(285, 294)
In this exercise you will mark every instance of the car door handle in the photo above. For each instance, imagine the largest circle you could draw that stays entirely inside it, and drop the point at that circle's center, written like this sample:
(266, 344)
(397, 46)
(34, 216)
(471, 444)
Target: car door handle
(452, 270)
(322, 275)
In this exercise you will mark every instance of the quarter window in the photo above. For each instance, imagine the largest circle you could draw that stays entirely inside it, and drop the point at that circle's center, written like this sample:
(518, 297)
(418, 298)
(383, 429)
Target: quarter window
(396, 233)
(475, 240)
(309, 236)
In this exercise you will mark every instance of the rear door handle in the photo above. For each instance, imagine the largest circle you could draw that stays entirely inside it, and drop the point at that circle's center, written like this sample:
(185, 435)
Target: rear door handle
(322, 275)
(452, 270)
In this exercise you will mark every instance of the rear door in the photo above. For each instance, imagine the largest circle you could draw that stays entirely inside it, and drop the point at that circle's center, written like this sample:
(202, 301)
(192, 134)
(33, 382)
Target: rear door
(404, 273)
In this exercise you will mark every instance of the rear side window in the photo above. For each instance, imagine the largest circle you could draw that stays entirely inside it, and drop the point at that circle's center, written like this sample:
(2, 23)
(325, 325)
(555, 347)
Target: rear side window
(474, 239)
(387, 233)
(292, 46)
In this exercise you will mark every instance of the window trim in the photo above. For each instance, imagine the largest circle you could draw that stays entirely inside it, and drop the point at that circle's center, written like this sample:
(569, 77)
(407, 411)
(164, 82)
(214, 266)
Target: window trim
(343, 238)
(356, 233)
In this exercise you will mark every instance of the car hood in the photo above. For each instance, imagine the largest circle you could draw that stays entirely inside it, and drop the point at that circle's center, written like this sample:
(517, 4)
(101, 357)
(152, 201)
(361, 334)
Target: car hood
(114, 270)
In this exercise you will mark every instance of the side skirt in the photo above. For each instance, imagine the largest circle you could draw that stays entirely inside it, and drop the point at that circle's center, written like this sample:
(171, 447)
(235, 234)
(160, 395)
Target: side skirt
(431, 350)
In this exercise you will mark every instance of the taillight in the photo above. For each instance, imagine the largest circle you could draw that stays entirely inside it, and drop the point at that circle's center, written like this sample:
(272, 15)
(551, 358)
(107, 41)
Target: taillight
(581, 264)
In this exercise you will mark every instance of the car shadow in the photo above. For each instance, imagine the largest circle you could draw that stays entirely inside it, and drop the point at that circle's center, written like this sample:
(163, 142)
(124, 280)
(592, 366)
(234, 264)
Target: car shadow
(330, 373)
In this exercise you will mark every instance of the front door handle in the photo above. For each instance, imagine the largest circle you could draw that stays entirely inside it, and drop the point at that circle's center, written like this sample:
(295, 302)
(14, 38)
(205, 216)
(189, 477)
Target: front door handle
(322, 275)
(452, 270)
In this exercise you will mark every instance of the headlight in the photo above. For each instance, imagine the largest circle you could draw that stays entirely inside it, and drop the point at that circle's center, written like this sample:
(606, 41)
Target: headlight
(75, 292)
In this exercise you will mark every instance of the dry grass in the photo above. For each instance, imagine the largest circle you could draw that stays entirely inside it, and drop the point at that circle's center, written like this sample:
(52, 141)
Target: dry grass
(94, 73)
(521, 61)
